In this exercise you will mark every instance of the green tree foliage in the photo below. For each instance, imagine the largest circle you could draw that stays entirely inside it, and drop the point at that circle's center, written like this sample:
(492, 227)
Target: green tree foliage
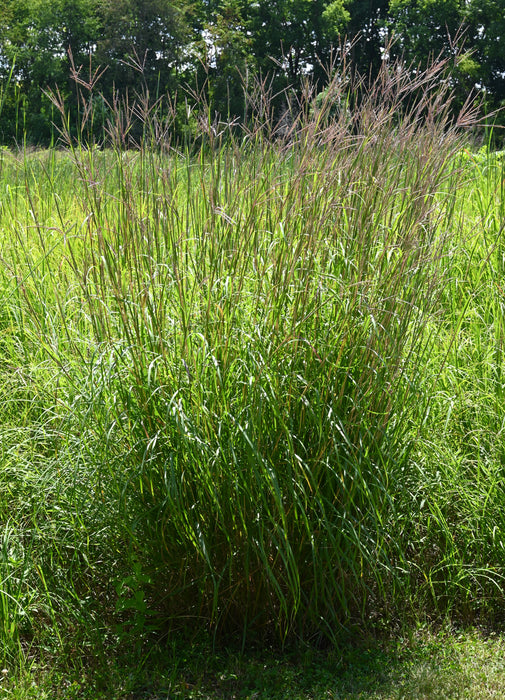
(469, 33)
(295, 36)
(423, 28)
(164, 45)
(39, 37)
(226, 56)
(367, 30)
(486, 20)
(143, 36)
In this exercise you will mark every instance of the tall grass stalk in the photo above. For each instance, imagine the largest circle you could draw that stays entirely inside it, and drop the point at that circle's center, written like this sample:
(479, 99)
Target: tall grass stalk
(235, 346)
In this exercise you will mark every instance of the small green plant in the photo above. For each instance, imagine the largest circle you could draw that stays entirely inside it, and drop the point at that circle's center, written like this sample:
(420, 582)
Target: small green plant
(131, 597)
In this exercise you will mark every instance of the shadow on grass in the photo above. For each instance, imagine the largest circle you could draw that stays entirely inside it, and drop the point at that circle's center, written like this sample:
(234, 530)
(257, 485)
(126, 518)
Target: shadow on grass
(427, 667)
(420, 663)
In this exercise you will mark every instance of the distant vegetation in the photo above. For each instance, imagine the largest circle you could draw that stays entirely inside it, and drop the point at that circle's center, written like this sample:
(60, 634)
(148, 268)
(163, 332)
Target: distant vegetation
(221, 49)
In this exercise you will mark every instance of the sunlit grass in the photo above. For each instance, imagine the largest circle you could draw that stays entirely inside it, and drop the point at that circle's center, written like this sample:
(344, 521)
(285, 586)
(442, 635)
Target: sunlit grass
(252, 387)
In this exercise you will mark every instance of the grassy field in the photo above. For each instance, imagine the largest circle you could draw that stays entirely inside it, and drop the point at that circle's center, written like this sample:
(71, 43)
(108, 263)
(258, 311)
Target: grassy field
(447, 665)
(252, 398)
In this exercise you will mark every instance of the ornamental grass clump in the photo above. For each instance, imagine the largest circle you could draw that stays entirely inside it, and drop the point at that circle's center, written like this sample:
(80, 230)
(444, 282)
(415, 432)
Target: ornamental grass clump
(239, 328)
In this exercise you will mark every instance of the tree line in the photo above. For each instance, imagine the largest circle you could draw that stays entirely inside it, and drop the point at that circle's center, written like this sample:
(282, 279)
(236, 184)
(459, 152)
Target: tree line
(219, 48)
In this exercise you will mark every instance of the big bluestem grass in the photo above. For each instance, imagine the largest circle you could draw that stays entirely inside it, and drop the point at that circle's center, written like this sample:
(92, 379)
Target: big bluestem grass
(225, 355)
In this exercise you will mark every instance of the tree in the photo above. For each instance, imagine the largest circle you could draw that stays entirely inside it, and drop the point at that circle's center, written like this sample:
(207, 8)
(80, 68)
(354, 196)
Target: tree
(150, 35)
(37, 35)
(428, 28)
(423, 29)
(226, 55)
(486, 22)
(295, 37)
(367, 31)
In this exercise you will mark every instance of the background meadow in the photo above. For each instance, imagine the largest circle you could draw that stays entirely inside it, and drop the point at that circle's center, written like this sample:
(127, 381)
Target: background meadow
(252, 381)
